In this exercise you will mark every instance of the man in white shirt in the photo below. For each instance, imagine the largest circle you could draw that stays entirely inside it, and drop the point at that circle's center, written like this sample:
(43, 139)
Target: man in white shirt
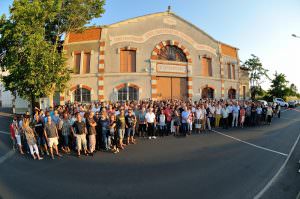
(235, 114)
(151, 122)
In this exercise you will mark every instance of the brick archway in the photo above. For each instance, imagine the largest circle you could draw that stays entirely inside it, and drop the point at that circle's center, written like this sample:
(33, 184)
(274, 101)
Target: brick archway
(127, 84)
(208, 91)
(73, 88)
(154, 55)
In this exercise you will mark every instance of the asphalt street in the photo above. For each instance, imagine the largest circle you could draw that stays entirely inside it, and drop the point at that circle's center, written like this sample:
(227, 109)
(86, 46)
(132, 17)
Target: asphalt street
(227, 164)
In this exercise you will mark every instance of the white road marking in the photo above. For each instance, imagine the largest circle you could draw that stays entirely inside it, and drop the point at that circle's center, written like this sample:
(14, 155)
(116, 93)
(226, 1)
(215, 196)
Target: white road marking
(285, 118)
(3, 132)
(268, 185)
(6, 156)
(254, 145)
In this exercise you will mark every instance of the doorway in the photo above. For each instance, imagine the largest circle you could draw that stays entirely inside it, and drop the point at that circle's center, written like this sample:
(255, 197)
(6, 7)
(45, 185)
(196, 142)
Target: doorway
(171, 88)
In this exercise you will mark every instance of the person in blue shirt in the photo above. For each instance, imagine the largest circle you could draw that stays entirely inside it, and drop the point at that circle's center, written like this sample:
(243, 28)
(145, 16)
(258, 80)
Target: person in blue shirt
(184, 120)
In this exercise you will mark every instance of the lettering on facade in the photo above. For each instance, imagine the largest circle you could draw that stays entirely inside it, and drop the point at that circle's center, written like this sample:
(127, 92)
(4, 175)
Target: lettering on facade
(160, 31)
(168, 68)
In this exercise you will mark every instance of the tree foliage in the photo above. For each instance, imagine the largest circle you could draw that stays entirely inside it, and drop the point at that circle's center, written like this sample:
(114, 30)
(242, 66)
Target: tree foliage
(257, 74)
(279, 86)
(31, 43)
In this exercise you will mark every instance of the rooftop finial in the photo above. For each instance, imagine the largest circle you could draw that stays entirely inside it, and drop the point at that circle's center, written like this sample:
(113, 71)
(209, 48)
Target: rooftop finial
(169, 9)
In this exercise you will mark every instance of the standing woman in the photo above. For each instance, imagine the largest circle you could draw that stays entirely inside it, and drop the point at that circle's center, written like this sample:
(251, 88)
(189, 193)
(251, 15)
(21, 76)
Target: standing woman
(176, 122)
(31, 141)
(17, 134)
(113, 134)
(91, 128)
(66, 132)
(269, 115)
(242, 116)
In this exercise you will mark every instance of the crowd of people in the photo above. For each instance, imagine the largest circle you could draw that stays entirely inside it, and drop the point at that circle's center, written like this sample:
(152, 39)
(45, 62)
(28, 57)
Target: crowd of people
(111, 126)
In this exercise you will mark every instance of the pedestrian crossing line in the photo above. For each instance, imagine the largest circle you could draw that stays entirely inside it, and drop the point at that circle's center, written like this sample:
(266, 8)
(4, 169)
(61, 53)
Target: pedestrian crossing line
(3, 132)
(248, 143)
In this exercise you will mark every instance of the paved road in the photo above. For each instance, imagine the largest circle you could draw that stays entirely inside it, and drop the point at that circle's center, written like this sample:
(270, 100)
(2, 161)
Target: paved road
(199, 166)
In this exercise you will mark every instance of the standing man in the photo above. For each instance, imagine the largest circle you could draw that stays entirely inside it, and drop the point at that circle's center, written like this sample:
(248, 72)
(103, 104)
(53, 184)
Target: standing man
(151, 122)
(184, 120)
(79, 131)
(225, 114)
(51, 135)
(235, 114)
(142, 122)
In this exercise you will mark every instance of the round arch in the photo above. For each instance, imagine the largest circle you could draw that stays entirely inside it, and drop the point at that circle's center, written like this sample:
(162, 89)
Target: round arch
(231, 93)
(164, 44)
(127, 91)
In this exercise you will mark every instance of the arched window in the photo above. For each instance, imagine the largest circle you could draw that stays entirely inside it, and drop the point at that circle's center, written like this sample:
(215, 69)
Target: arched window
(171, 53)
(232, 93)
(207, 93)
(128, 93)
(82, 95)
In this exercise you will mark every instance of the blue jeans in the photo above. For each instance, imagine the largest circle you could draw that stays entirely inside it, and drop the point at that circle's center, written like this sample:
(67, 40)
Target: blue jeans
(66, 140)
(106, 139)
(130, 131)
(184, 128)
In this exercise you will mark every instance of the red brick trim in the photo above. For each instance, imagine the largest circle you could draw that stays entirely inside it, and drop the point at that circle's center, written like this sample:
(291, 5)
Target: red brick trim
(129, 84)
(101, 70)
(86, 87)
(102, 43)
(208, 86)
(73, 88)
(168, 42)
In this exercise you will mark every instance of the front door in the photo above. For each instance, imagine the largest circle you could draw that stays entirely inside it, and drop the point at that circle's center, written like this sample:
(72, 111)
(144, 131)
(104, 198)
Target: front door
(171, 88)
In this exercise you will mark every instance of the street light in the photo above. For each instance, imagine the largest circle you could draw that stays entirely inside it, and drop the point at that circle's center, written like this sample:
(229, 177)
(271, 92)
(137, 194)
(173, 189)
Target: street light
(295, 36)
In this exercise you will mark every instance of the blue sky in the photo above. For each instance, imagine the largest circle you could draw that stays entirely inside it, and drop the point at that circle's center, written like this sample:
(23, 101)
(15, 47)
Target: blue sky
(260, 27)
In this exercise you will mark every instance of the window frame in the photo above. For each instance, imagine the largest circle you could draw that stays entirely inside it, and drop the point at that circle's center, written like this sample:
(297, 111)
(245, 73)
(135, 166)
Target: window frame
(128, 93)
(79, 94)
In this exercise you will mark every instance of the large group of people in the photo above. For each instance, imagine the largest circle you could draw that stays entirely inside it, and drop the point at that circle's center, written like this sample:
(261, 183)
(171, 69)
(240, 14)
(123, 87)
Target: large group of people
(111, 126)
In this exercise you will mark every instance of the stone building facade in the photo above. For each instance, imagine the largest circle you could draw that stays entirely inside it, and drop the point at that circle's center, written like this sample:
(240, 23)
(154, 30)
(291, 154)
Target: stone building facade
(157, 56)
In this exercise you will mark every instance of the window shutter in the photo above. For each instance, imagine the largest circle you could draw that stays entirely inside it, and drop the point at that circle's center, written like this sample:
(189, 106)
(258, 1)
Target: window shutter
(77, 63)
(86, 63)
(204, 66)
(209, 65)
(233, 72)
(229, 71)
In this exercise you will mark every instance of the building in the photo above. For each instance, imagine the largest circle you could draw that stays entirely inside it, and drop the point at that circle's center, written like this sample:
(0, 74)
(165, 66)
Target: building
(157, 56)
(7, 99)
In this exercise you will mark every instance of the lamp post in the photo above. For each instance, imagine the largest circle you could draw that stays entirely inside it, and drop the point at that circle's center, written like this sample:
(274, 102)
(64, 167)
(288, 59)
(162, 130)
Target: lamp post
(296, 36)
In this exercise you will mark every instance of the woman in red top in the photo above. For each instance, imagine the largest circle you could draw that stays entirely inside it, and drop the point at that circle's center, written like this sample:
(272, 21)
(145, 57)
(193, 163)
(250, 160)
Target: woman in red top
(242, 116)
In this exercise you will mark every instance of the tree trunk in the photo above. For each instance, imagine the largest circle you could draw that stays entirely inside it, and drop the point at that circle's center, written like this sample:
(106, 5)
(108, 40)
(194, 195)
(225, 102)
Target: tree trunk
(32, 101)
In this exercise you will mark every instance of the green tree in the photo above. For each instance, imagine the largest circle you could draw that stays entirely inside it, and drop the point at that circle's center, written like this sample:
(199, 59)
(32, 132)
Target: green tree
(31, 41)
(257, 74)
(279, 86)
(293, 90)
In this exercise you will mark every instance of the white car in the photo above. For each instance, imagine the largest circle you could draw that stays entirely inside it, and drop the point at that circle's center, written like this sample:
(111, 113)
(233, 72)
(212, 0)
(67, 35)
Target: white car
(263, 102)
(281, 102)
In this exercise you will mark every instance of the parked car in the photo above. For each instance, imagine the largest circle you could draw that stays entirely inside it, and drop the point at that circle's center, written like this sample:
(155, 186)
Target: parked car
(265, 103)
(292, 103)
(281, 102)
